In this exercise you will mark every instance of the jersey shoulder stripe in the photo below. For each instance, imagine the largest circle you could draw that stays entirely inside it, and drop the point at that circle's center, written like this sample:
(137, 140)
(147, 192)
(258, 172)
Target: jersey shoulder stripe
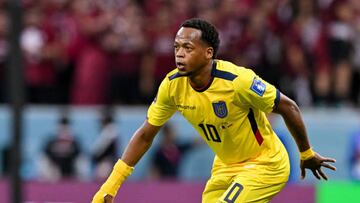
(224, 70)
(223, 74)
(175, 75)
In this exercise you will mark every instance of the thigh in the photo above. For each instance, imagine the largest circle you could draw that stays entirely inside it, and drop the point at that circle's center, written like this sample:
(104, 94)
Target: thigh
(242, 192)
(215, 187)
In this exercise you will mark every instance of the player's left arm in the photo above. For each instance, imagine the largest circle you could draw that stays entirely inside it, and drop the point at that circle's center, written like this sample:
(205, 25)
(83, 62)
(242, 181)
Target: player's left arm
(290, 112)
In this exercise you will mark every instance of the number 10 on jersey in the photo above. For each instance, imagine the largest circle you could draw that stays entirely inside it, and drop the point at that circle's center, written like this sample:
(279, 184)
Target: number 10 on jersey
(210, 132)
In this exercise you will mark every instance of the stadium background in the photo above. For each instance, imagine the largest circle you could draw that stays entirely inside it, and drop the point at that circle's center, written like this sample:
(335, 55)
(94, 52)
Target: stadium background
(84, 55)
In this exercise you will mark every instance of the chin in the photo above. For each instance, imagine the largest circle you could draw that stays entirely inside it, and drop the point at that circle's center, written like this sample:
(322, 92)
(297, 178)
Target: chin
(184, 73)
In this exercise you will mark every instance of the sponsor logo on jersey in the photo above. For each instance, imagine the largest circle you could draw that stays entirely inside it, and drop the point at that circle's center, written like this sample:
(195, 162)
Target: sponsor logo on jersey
(220, 109)
(258, 87)
(185, 107)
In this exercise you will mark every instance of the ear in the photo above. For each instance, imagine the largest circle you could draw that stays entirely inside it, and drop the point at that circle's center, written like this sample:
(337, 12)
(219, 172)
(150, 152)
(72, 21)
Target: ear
(209, 53)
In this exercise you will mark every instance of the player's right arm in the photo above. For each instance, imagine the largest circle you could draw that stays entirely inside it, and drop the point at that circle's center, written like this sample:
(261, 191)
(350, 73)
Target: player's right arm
(138, 145)
(159, 112)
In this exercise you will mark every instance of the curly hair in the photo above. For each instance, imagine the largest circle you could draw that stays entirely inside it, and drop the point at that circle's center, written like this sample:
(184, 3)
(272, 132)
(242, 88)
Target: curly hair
(209, 33)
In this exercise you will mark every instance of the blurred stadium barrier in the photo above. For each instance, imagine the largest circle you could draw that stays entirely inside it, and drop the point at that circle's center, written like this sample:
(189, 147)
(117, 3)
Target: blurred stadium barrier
(329, 130)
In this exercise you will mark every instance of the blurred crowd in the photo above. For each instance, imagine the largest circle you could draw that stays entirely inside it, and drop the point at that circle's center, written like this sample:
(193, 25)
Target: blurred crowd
(86, 52)
(62, 156)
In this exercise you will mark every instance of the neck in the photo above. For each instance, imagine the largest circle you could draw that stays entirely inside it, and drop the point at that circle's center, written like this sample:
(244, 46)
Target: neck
(201, 78)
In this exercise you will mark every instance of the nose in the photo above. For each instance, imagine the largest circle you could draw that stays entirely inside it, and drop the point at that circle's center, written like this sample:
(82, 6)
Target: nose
(180, 53)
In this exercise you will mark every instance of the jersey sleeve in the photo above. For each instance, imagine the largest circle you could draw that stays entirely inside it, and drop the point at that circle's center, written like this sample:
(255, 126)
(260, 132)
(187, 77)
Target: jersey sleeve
(256, 92)
(162, 108)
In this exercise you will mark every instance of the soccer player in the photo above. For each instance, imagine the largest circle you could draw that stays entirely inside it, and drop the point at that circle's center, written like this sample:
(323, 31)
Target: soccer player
(226, 104)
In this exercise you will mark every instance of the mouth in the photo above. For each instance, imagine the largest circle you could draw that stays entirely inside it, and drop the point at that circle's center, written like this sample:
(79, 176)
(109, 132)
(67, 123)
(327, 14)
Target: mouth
(180, 66)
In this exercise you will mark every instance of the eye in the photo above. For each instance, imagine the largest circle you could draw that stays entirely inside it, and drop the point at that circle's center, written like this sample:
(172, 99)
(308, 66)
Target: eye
(188, 48)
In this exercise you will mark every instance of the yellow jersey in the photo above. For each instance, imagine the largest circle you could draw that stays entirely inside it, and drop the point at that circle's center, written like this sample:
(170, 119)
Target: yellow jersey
(229, 114)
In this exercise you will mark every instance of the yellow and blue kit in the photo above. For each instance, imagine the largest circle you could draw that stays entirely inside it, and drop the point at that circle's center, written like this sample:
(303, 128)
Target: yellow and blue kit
(230, 115)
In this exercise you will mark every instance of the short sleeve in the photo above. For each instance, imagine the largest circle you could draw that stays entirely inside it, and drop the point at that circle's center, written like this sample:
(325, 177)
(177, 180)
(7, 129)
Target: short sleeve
(256, 92)
(162, 108)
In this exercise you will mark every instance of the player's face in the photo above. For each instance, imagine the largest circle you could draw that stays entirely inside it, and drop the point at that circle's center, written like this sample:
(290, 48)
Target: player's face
(191, 53)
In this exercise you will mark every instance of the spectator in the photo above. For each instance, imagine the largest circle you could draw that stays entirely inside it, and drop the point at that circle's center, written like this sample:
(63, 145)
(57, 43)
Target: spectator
(129, 29)
(299, 48)
(355, 89)
(104, 153)
(91, 69)
(65, 44)
(39, 55)
(168, 155)
(340, 38)
(61, 154)
(159, 59)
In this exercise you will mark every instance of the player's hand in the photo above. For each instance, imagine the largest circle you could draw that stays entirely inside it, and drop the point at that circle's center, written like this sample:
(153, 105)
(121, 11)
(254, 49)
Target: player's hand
(108, 199)
(314, 164)
(100, 198)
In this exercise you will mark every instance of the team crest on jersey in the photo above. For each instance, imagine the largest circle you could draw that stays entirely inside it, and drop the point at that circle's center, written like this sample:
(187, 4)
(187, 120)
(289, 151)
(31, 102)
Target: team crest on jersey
(258, 87)
(220, 109)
